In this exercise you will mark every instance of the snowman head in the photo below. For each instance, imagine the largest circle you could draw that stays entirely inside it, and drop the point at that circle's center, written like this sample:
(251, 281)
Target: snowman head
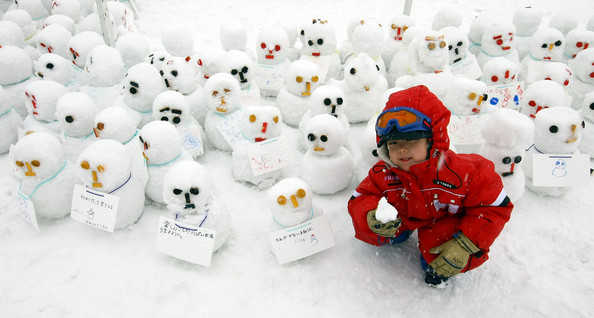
(302, 77)
(115, 123)
(527, 20)
(173, 107)
(547, 44)
(361, 73)
(323, 135)
(398, 25)
(42, 98)
(54, 38)
(133, 47)
(51, 66)
(457, 43)
(186, 189)
(76, 113)
(576, 41)
(466, 96)
(498, 38)
(272, 45)
(180, 75)
(319, 38)
(368, 38)
(431, 50)
(160, 142)
(327, 99)
(15, 64)
(141, 85)
(222, 93)
(81, 44)
(587, 111)
(584, 66)
(240, 65)
(558, 130)
(499, 70)
(541, 95)
(290, 201)
(104, 165)
(38, 156)
(104, 66)
(260, 123)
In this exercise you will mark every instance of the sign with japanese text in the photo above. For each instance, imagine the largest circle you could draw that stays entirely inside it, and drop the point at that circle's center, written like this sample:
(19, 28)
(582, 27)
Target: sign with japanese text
(269, 155)
(506, 96)
(94, 208)
(27, 209)
(230, 128)
(186, 242)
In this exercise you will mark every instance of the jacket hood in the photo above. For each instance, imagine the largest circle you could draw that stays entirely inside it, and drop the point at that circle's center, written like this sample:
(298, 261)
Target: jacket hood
(423, 100)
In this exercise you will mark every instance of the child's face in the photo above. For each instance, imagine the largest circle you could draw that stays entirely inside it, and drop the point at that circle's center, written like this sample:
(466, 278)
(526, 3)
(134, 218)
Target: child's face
(405, 153)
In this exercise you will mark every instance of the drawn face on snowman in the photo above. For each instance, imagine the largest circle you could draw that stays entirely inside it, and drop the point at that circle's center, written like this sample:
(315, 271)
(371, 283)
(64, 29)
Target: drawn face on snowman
(222, 93)
(272, 45)
(38, 156)
(171, 106)
(186, 189)
(260, 123)
(290, 201)
(104, 165)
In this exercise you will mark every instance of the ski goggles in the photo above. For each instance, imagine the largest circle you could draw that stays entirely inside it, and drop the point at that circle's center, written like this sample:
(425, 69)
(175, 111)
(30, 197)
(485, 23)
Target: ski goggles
(403, 119)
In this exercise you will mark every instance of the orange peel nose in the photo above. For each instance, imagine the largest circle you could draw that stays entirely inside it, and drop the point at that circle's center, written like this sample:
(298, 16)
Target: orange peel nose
(30, 172)
(294, 200)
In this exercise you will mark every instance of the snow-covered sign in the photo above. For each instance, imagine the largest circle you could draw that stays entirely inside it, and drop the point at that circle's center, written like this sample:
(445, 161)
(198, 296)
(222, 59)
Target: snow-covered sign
(269, 155)
(230, 128)
(563, 170)
(506, 96)
(107, 27)
(185, 241)
(94, 208)
(27, 209)
(302, 240)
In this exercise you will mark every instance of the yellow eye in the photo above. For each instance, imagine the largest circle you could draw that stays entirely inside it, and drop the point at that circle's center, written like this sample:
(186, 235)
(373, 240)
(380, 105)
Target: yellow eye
(226, 90)
(252, 118)
(394, 26)
(281, 200)
(100, 168)
(215, 93)
(35, 163)
(442, 44)
(85, 165)
(431, 46)
(20, 164)
(100, 126)
(299, 79)
(275, 119)
(300, 193)
(314, 79)
(471, 96)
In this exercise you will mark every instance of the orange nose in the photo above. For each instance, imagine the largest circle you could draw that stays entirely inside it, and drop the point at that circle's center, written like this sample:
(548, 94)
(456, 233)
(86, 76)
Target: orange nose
(551, 46)
(30, 172)
(264, 125)
(294, 200)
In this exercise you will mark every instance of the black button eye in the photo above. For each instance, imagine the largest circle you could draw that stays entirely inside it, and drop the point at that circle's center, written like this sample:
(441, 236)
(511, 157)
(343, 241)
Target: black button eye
(133, 90)
(176, 120)
(459, 43)
(174, 73)
(302, 32)
(320, 41)
(194, 191)
(161, 59)
(544, 46)
(507, 160)
(554, 129)
(518, 159)
(558, 43)
(140, 138)
(244, 69)
(311, 137)
(177, 191)
(50, 66)
(161, 72)
(339, 101)
(377, 67)
(323, 138)
(233, 72)
(583, 124)
(327, 102)
(310, 42)
(164, 118)
(353, 71)
(69, 119)
(450, 47)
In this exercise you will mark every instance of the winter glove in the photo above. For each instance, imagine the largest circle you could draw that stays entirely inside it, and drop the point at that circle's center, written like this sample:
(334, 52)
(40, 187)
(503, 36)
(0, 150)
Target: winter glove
(453, 255)
(382, 229)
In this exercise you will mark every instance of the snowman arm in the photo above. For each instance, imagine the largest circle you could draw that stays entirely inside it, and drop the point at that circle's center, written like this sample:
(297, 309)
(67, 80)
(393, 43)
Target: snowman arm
(486, 206)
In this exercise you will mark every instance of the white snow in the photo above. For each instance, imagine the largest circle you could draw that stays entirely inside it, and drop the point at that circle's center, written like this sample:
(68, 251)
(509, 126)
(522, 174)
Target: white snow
(540, 266)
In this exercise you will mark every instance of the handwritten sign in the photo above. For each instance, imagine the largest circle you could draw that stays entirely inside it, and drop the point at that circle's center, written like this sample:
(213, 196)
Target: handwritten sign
(191, 140)
(27, 209)
(506, 96)
(269, 155)
(185, 241)
(93, 208)
(302, 240)
(562, 170)
(271, 77)
(230, 128)
(465, 130)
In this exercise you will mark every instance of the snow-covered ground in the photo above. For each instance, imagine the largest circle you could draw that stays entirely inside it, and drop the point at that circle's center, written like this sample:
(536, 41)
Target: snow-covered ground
(540, 266)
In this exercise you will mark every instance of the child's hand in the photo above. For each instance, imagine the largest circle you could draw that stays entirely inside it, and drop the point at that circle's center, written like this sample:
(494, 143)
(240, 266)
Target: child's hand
(453, 255)
(383, 229)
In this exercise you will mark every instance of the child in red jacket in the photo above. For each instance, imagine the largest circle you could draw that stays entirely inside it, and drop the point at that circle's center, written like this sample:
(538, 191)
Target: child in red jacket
(456, 202)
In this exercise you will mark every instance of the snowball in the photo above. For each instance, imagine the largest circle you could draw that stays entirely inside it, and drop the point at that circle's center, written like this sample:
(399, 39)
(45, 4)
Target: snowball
(385, 211)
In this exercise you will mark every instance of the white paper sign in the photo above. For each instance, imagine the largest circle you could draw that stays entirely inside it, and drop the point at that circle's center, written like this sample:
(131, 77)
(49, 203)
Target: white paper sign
(561, 170)
(27, 209)
(191, 141)
(271, 77)
(94, 208)
(465, 130)
(186, 242)
(269, 155)
(506, 96)
(323, 63)
(467, 67)
(302, 240)
(230, 128)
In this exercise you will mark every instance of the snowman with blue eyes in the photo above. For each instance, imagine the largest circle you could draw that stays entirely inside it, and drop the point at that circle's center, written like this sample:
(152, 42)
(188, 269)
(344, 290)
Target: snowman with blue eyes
(326, 166)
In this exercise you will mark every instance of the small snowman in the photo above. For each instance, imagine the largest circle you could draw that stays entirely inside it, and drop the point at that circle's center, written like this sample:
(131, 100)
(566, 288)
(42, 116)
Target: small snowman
(301, 79)
(291, 203)
(47, 179)
(10, 122)
(54, 38)
(447, 17)
(177, 40)
(272, 49)
(363, 85)
(223, 96)
(564, 21)
(180, 75)
(117, 124)
(16, 69)
(41, 102)
(133, 47)
(23, 19)
(104, 72)
(546, 45)
(161, 147)
(258, 124)
(241, 66)
(557, 130)
(319, 46)
(234, 36)
(587, 113)
(326, 99)
(70, 8)
(527, 20)
(461, 61)
(465, 96)
(500, 71)
(327, 166)
(172, 106)
(62, 20)
(35, 8)
(76, 114)
(79, 47)
(367, 38)
(141, 86)
(540, 95)
(497, 41)
(553, 71)
(345, 48)
(51, 66)
(11, 34)
(207, 62)
(476, 29)
(397, 27)
(576, 41)
(508, 150)
(583, 80)
(191, 199)
(106, 166)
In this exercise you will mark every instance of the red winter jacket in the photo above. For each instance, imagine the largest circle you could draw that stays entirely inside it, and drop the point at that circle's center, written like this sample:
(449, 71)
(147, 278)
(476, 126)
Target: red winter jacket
(440, 196)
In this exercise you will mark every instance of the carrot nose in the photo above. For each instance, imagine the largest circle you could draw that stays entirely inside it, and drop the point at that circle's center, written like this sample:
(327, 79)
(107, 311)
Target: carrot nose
(512, 167)
(94, 175)
(30, 172)
(551, 46)
(507, 74)
(294, 200)
(264, 125)
(479, 101)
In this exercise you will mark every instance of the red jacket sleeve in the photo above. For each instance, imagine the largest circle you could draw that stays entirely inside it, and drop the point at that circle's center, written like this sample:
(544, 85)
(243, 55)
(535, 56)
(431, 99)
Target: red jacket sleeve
(487, 207)
(364, 199)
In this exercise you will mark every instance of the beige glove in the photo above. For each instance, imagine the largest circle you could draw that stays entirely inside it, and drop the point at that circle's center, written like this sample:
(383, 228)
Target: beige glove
(382, 229)
(453, 255)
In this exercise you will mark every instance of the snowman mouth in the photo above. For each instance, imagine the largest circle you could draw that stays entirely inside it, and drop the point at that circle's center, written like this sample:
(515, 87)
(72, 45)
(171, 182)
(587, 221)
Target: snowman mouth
(458, 60)
(506, 174)
(572, 139)
(166, 83)
(190, 206)
(505, 48)
(318, 149)
(315, 54)
(270, 57)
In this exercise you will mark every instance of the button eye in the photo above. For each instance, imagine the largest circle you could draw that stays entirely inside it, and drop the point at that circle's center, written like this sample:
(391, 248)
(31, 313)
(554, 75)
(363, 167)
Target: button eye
(177, 191)
(281, 200)
(194, 191)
